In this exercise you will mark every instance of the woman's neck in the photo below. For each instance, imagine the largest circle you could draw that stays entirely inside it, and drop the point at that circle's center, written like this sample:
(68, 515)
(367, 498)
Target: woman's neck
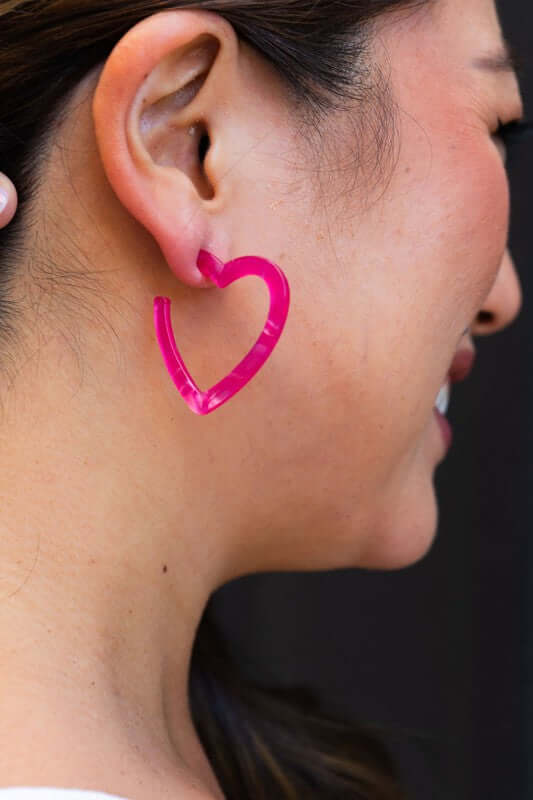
(101, 595)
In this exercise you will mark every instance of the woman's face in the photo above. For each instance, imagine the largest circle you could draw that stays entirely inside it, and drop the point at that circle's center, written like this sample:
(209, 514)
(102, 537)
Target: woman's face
(327, 458)
(336, 441)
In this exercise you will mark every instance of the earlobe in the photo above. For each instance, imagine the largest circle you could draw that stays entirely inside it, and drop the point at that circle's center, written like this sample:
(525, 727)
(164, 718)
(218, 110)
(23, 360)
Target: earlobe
(153, 108)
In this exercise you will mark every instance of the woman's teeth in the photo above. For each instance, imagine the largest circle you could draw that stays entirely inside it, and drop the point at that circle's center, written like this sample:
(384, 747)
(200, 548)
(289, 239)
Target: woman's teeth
(443, 399)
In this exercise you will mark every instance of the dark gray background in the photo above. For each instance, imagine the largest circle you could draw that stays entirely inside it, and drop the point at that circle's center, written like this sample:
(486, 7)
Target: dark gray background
(441, 651)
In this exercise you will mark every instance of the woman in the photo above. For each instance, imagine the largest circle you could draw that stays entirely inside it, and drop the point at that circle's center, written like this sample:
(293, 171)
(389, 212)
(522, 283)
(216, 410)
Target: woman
(141, 136)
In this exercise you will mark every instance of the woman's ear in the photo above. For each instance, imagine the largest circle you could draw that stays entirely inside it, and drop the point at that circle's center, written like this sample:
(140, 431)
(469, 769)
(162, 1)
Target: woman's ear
(162, 113)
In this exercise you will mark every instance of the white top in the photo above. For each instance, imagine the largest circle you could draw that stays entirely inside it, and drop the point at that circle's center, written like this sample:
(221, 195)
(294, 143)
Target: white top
(49, 793)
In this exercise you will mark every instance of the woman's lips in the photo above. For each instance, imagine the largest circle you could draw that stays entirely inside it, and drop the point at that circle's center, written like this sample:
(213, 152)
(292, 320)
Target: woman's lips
(460, 369)
(445, 427)
(462, 365)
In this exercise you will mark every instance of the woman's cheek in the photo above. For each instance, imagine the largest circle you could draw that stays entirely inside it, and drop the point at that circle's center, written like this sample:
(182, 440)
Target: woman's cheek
(481, 217)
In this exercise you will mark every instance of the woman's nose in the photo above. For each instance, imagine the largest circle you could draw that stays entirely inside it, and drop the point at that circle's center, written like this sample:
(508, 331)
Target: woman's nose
(504, 302)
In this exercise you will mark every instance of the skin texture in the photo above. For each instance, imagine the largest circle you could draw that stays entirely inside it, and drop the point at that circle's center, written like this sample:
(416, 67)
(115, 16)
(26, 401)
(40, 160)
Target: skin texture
(121, 511)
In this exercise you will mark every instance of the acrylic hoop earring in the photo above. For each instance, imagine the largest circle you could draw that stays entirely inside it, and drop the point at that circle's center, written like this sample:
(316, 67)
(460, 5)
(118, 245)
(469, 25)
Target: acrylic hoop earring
(222, 276)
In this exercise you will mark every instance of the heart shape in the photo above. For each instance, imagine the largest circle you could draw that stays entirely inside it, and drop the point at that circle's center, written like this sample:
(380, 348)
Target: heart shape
(222, 276)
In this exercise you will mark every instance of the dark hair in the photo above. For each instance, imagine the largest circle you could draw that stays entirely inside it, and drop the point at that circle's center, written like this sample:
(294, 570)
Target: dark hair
(262, 743)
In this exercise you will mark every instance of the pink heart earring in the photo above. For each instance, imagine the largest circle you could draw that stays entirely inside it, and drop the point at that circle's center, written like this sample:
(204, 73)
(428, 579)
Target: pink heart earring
(222, 276)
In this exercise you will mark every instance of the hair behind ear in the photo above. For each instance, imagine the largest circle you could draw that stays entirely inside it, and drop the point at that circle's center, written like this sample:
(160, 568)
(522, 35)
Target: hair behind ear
(266, 743)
